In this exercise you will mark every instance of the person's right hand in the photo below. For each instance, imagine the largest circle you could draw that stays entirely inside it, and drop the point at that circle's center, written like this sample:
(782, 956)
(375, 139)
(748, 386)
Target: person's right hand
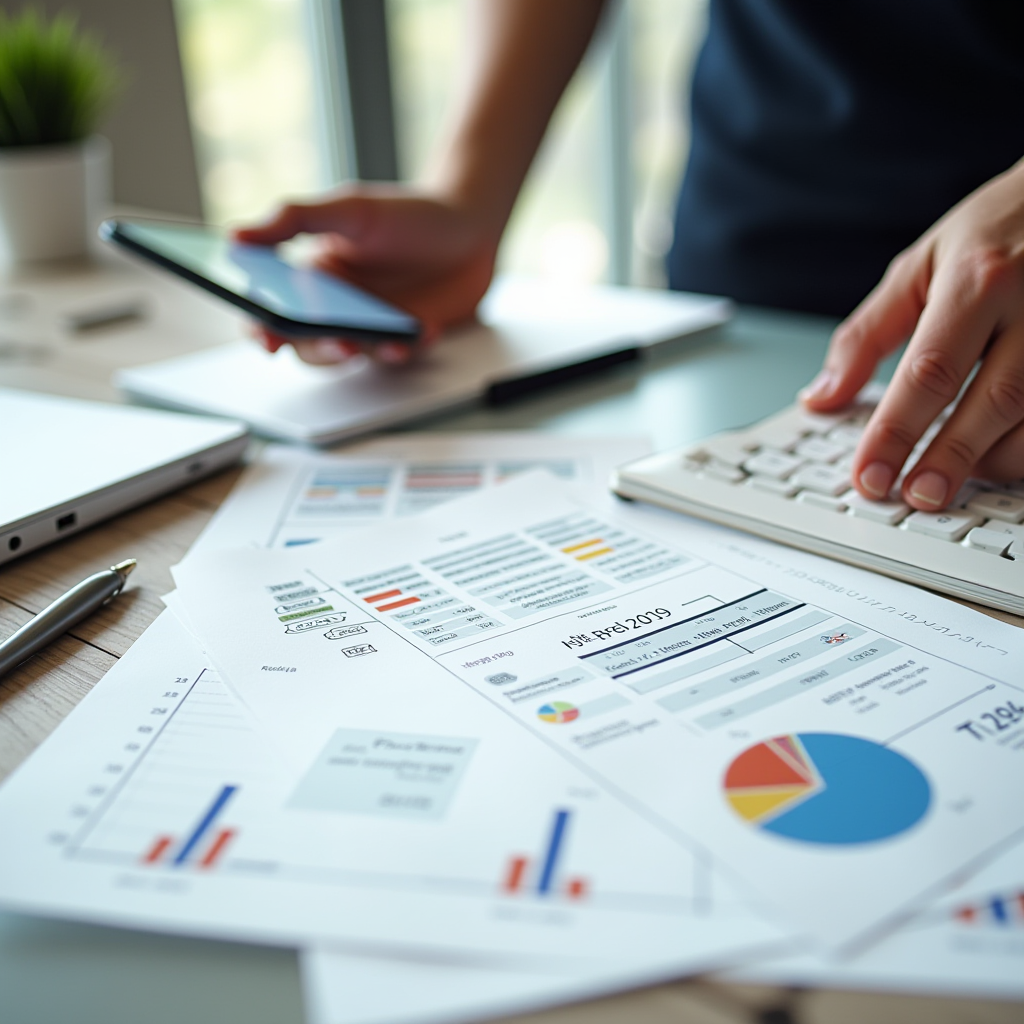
(418, 251)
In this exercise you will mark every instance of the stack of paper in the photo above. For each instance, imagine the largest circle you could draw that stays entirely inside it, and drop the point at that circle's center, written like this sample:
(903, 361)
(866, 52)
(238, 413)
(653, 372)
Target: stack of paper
(534, 745)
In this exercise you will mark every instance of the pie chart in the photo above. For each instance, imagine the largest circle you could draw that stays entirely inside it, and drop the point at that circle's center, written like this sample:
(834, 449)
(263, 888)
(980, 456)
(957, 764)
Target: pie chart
(827, 788)
(558, 711)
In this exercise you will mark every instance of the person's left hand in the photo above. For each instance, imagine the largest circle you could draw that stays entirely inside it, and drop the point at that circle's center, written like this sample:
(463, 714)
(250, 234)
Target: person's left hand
(958, 294)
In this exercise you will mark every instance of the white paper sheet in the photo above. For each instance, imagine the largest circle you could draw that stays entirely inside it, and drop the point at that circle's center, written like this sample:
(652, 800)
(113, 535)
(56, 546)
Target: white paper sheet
(158, 804)
(677, 668)
(290, 497)
(975, 947)
(971, 945)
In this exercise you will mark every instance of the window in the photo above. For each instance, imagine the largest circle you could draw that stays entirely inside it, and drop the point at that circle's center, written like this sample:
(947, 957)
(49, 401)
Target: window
(251, 94)
(255, 97)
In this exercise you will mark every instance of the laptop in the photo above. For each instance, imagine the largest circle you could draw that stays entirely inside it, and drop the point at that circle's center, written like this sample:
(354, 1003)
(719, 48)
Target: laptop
(66, 464)
(531, 334)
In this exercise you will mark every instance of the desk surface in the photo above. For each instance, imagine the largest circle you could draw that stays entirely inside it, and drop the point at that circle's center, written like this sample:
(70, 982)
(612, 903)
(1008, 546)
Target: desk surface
(52, 972)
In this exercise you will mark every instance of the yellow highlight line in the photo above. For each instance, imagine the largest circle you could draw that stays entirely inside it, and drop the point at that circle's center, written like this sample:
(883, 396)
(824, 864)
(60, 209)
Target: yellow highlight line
(594, 554)
(579, 547)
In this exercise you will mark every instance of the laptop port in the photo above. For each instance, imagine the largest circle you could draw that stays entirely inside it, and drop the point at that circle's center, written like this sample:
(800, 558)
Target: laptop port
(66, 522)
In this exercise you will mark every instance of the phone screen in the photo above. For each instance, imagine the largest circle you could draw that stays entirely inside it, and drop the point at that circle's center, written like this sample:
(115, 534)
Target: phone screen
(300, 294)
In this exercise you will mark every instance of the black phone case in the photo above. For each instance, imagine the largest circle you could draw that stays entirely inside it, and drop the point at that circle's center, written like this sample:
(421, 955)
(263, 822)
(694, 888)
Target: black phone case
(110, 231)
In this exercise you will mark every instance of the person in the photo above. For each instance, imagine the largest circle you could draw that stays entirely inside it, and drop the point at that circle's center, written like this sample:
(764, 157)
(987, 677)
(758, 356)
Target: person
(832, 145)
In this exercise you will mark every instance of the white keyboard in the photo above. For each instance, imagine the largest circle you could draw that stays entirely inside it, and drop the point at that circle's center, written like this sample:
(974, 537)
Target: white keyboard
(788, 479)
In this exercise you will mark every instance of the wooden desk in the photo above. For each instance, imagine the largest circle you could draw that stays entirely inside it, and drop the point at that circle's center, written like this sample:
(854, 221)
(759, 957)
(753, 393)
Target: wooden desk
(52, 972)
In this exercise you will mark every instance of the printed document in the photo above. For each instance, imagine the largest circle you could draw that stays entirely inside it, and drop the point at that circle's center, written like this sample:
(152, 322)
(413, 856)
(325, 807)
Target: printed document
(420, 820)
(803, 725)
(290, 497)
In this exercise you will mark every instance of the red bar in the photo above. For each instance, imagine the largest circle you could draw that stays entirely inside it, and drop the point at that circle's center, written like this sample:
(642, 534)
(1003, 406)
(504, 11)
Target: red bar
(516, 870)
(576, 889)
(156, 851)
(223, 838)
(381, 596)
(966, 914)
(1020, 901)
(398, 604)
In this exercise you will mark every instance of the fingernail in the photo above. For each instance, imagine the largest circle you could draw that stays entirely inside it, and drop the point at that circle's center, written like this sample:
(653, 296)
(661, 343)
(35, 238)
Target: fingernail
(392, 352)
(876, 479)
(931, 488)
(328, 348)
(821, 387)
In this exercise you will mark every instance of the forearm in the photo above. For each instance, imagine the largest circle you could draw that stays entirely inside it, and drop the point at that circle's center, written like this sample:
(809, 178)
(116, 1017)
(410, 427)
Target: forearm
(522, 55)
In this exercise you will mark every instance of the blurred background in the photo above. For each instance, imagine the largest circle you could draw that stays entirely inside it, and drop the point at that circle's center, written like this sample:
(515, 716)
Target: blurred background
(232, 105)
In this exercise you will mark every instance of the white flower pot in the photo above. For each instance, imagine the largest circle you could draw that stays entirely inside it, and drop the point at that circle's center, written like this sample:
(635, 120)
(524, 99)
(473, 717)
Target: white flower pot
(52, 199)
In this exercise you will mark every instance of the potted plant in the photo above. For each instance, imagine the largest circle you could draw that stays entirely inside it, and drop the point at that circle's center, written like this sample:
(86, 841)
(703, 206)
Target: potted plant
(55, 84)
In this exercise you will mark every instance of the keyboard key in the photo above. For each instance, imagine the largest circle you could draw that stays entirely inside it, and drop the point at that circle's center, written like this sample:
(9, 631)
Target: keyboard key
(1013, 529)
(848, 434)
(942, 525)
(722, 471)
(817, 449)
(822, 479)
(888, 512)
(783, 488)
(998, 506)
(772, 463)
(822, 422)
(732, 449)
(821, 501)
(989, 540)
(1016, 488)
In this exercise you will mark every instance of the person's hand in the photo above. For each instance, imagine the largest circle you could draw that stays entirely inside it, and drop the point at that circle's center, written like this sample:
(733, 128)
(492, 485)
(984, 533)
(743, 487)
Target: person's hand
(958, 294)
(419, 252)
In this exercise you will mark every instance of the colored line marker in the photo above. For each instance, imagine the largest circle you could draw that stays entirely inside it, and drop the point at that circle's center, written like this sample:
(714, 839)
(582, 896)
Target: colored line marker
(998, 908)
(157, 850)
(516, 870)
(223, 838)
(204, 823)
(587, 555)
(579, 547)
(576, 889)
(373, 598)
(551, 859)
(397, 604)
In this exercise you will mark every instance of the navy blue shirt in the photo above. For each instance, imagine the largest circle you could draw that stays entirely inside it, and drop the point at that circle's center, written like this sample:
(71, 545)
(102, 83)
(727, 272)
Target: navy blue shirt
(827, 136)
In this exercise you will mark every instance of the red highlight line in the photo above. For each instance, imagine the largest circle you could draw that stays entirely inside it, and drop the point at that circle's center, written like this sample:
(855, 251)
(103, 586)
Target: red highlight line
(157, 850)
(516, 871)
(577, 888)
(380, 597)
(966, 914)
(398, 604)
(223, 838)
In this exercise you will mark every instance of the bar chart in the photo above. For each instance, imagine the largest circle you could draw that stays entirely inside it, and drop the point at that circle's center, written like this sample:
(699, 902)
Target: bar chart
(1004, 910)
(542, 877)
(197, 848)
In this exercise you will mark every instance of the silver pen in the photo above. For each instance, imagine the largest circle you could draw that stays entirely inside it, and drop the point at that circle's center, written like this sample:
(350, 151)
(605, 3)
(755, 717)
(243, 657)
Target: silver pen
(56, 619)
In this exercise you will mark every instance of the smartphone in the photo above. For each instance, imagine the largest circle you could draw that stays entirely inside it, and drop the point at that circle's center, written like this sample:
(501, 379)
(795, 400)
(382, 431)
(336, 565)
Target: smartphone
(292, 300)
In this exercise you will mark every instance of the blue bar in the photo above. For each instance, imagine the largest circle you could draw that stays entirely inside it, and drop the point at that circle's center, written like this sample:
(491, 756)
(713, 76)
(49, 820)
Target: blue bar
(999, 910)
(204, 825)
(547, 874)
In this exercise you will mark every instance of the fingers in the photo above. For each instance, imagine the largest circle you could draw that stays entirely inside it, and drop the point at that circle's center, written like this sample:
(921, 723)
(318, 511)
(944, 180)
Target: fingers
(324, 351)
(1004, 461)
(345, 215)
(972, 440)
(330, 351)
(879, 325)
(957, 322)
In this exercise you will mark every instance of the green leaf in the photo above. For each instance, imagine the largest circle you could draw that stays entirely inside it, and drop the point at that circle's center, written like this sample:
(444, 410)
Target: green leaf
(56, 81)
